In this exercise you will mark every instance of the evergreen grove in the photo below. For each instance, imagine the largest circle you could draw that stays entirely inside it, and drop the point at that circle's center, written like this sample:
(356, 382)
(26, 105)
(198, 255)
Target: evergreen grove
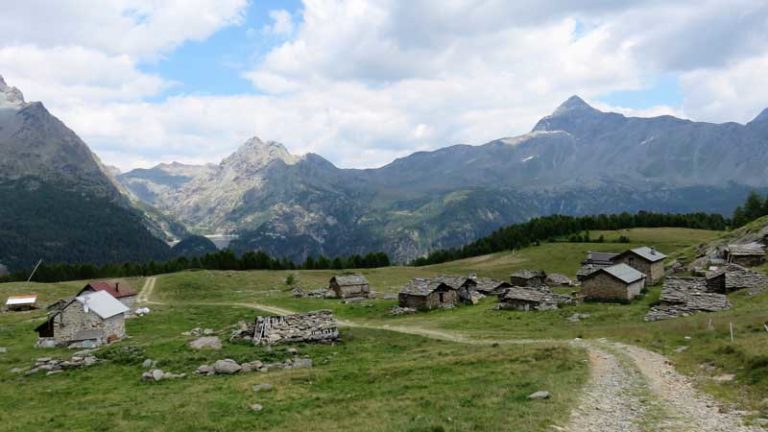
(221, 260)
(551, 228)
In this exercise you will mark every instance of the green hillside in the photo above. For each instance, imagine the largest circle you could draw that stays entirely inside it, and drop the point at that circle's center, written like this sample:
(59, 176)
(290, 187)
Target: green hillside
(377, 379)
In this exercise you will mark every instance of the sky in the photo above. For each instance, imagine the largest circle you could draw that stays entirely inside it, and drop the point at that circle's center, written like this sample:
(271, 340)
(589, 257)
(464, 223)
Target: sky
(362, 82)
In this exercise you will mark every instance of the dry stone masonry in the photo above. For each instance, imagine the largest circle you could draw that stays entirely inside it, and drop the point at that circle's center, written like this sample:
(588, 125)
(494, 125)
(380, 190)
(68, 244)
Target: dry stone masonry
(685, 296)
(52, 366)
(318, 326)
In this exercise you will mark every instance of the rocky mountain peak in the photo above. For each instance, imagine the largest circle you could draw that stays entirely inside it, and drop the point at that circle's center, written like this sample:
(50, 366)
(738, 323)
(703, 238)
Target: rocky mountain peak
(573, 104)
(256, 153)
(10, 96)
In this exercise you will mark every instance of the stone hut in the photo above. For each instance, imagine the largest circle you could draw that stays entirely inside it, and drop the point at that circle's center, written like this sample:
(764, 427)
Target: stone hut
(682, 296)
(616, 283)
(85, 321)
(490, 286)
(318, 326)
(348, 286)
(526, 299)
(427, 294)
(747, 255)
(557, 279)
(21, 302)
(117, 289)
(594, 262)
(463, 285)
(646, 260)
(529, 278)
(733, 277)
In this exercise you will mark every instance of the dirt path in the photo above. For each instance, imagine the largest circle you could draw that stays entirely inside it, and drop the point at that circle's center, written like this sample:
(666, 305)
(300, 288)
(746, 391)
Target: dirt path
(146, 290)
(630, 389)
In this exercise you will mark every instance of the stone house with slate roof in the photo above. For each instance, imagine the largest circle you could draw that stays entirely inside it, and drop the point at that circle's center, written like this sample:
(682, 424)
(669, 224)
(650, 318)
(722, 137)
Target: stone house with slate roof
(87, 320)
(348, 286)
(427, 294)
(646, 260)
(527, 299)
(490, 286)
(747, 255)
(616, 283)
(528, 278)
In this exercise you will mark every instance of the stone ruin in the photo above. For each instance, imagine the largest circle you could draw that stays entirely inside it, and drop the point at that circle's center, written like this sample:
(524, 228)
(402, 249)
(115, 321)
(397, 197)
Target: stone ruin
(319, 326)
(685, 296)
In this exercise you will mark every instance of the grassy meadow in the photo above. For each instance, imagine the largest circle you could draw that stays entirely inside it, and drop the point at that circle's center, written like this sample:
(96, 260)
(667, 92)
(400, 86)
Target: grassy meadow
(375, 379)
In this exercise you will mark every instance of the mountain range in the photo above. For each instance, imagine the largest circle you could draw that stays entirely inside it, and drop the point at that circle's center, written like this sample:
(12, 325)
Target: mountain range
(578, 160)
(63, 204)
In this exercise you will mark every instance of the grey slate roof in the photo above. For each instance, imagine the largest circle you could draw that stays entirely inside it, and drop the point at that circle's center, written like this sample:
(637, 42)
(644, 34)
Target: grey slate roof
(748, 249)
(600, 258)
(490, 285)
(649, 254)
(526, 294)
(623, 272)
(347, 280)
(424, 287)
(455, 281)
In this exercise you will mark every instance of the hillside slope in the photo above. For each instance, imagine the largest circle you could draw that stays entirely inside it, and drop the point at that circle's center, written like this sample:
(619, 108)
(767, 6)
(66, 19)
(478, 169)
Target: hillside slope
(58, 203)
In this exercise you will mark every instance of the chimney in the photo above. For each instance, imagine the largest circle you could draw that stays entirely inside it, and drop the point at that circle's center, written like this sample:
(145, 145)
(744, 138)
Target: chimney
(653, 250)
(117, 286)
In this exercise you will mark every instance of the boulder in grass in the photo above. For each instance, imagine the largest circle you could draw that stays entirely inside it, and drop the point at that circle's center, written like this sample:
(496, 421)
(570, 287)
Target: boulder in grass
(541, 394)
(226, 367)
(206, 342)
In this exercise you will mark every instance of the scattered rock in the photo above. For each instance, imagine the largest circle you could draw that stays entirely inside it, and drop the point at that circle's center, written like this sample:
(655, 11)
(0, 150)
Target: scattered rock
(53, 372)
(397, 310)
(541, 394)
(149, 363)
(226, 367)
(576, 317)
(681, 349)
(157, 374)
(3, 350)
(17, 370)
(301, 363)
(205, 370)
(293, 351)
(262, 387)
(723, 378)
(256, 407)
(206, 342)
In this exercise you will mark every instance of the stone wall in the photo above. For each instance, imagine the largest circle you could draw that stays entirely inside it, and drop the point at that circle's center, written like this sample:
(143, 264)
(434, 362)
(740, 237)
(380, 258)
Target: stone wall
(74, 319)
(605, 287)
(431, 301)
(349, 291)
(746, 260)
(318, 326)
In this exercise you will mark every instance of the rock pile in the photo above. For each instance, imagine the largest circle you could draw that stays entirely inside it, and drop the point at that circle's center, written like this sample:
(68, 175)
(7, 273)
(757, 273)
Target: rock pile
(318, 326)
(733, 277)
(318, 293)
(685, 296)
(197, 331)
(231, 367)
(159, 375)
(53, 366)
(397, 310)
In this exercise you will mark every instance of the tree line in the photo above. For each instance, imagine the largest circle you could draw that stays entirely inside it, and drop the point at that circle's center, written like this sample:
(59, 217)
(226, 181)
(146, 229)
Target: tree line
(550, 228)
(220, 260)
(755, 206)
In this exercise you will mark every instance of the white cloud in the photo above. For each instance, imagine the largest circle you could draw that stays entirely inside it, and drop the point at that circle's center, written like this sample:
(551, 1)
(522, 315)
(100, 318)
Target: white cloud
(138, 28)
(364, 81)
(282, 23)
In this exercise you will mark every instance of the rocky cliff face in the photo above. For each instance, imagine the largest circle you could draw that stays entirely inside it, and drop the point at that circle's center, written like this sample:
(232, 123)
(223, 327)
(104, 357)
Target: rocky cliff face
(578, 160)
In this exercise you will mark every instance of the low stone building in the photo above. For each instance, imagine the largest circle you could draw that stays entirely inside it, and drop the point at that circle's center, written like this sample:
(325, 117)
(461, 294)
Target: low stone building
(347, 286)
(117, 289)
(529, 278)
(747, 255)
(733, 277)
(317, 327)
(600, 259)
(681, 296)
(427, 294)
(616, 283)
(464, 286)
(21, 302)
(490, 286)
(88, 320)
(557, 279)
(646, 260)
(527, 299)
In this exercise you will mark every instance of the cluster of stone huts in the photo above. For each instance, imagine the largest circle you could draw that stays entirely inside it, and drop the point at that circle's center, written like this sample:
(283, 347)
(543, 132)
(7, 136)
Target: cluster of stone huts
(95, 315)
(620, 276)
